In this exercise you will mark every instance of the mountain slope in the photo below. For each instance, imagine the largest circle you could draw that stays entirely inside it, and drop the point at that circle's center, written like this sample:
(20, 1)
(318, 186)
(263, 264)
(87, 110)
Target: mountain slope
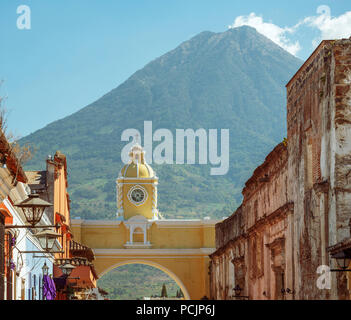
(235, 79)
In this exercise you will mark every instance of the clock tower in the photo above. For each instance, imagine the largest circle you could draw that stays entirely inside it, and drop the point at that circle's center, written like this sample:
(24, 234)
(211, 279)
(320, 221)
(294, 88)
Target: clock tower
(137, 188)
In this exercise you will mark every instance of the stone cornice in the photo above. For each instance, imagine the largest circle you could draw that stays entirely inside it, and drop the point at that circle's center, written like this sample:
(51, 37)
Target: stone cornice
(238, 260)
(345, 244)
(230, 244)
(343, 190)
(307, 62)
(321, 187)
(159, 253)
(272, 217)
(281, 212)
(272, 164)
(95, 223)
(276, 243)
(164, 223)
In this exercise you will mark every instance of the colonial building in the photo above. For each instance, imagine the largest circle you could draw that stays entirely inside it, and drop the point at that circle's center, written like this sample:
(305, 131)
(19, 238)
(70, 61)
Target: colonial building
(296, 206)
(21, 275)
(25, 252)
(12, 177)
(30, 268)
(52, 185)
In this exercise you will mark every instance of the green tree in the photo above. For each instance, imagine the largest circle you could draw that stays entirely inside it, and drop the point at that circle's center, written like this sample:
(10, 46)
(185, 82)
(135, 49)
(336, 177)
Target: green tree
(164, 291)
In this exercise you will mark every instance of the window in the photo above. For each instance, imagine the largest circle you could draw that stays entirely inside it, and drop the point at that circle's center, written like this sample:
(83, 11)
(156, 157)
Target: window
(40, 290)
(34, 286)
(8, 270)
(279, 284)
(308, 166)
(256, 210)
(23, 289)
(29, 288)
(252, 257)
(260, 256)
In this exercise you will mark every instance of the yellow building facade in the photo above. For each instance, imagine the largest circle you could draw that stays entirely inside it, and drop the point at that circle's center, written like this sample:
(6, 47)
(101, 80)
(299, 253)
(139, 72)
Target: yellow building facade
(139, 234)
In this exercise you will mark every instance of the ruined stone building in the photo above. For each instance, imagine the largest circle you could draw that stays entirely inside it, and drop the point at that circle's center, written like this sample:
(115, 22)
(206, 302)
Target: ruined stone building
(296, 207)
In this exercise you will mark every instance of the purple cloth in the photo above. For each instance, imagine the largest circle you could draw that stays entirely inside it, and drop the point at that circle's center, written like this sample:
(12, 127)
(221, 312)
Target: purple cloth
(49, 289)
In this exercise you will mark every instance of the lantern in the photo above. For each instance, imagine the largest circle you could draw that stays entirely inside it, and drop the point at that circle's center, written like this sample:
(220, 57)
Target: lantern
(45, 269)
(47, 239)
(33, 208)
(67, 269)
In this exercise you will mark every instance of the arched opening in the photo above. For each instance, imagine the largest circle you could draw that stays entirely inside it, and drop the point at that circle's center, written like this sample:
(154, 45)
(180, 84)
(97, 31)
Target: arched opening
(120, 281)
(138, 235)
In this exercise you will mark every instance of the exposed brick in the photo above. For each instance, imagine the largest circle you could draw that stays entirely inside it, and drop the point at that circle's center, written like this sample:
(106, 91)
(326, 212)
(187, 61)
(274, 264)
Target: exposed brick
(298, 201)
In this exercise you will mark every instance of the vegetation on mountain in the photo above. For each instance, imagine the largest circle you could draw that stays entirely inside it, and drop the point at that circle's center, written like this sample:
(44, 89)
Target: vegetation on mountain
(234, 79)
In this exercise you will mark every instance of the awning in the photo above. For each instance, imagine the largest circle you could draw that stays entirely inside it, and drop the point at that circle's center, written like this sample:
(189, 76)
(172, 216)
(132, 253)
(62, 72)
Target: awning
(60, 218)
(69, 236)
(65, 228)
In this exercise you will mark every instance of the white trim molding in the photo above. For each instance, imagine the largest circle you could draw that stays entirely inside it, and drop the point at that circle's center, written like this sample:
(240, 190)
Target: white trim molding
(134, 223)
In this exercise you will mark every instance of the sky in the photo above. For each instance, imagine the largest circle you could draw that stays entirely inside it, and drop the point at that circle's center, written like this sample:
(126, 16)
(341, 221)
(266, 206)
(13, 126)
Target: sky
(70, 53)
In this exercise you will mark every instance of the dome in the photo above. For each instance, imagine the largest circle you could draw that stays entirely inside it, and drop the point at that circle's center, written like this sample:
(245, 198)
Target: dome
(137, 170)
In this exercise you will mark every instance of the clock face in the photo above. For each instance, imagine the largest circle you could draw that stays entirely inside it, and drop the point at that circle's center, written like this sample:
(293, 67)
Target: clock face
(137, 195)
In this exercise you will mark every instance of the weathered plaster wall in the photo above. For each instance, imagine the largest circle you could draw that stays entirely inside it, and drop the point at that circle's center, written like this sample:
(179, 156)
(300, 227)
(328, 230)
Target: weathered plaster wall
(308, 120)
(252, 250)
(307, 189)
(319, 161)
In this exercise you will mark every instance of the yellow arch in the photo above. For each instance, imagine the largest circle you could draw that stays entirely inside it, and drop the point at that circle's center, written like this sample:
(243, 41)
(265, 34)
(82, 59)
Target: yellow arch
(152, 264)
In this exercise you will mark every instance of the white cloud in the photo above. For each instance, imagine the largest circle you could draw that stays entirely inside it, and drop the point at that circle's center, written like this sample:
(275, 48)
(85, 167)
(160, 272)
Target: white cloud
(270, 30)
(329, 28)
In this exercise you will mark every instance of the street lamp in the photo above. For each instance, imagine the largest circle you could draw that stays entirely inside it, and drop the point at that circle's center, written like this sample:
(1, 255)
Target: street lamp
(237, 290)
(67, 269)
(33, 208)
(61, 282)
(287, 290)
(45, 269)
(47, 238)
(343, 259)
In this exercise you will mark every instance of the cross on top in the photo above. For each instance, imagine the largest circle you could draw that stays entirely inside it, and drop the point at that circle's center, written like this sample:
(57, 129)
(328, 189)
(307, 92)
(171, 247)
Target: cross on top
(137, 138)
